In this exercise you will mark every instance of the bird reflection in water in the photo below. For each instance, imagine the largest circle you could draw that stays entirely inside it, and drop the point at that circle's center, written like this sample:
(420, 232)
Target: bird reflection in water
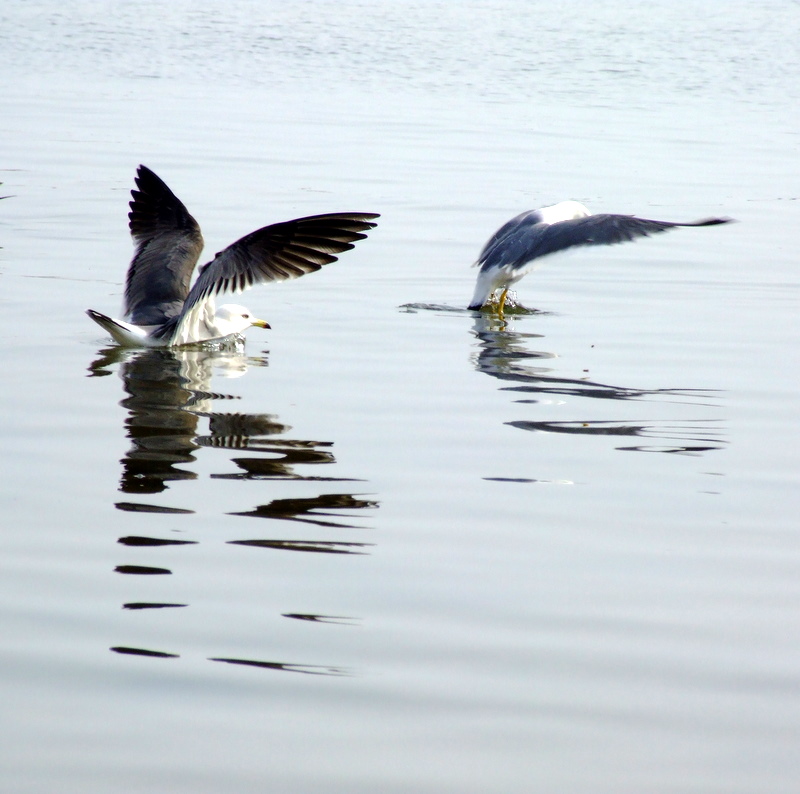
(169, 394)
(506, 355)
(164, 390)
(172, 415)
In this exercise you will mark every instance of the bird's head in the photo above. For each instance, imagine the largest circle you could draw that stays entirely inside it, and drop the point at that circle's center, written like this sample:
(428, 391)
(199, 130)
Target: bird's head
(234, 319)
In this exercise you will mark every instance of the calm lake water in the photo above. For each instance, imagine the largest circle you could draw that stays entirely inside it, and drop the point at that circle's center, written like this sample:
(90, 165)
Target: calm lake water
(392, 545)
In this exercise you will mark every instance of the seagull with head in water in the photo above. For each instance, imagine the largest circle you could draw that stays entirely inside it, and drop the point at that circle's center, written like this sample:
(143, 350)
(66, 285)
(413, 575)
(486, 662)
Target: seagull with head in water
(515, 248)
(160, 307)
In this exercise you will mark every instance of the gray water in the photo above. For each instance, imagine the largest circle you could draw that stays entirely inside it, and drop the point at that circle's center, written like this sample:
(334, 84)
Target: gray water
(392, 545)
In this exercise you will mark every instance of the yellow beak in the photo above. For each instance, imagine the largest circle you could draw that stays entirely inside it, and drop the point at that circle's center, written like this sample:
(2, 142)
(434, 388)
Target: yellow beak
(261, 323)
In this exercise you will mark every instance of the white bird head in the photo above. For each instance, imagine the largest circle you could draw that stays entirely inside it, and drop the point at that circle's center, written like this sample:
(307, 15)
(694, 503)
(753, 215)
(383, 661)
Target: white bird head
(231, 318)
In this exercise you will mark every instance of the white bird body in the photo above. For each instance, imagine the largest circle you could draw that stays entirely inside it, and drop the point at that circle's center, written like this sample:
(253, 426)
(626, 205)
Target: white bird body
(205, 325)
(126, 334)
(563, 211)
(518, 246)
(161, 310)
(207, 322)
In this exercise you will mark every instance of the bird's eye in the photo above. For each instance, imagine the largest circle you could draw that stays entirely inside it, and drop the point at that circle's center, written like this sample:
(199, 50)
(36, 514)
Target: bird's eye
(246, 316)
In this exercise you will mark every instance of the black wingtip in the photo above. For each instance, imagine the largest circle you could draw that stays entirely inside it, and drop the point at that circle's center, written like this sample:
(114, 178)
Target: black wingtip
(143, 172)
(714, 221)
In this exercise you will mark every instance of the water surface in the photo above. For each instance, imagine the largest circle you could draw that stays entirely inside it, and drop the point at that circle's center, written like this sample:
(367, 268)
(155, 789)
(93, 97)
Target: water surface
(392, 544)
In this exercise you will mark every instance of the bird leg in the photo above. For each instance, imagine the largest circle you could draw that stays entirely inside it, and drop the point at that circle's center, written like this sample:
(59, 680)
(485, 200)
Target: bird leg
(501, 303)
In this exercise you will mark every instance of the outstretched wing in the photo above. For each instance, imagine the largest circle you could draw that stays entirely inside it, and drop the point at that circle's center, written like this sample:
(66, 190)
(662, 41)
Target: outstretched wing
(525, 240)
(275, 253)
(506, 236)
(168, 244)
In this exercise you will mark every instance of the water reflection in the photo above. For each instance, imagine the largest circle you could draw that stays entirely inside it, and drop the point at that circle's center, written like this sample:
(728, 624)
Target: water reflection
(139, 540)
(168, 391)
(169, 394)
(288, 453)
(172, 415)
(124, 649)
(506, 354)
(143, 570)
(135, 507)
(321, 546)
(286, 667)
(659, 430)
(311, 510)
(337, 619)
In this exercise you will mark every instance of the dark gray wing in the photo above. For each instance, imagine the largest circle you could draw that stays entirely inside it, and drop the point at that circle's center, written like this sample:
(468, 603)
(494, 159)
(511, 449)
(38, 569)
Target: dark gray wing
(525, 239)
(275, 253)
(510, 230)
(168, 245)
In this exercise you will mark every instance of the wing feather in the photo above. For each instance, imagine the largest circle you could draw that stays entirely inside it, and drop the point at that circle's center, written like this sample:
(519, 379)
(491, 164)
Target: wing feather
(168, 244)
(278, 252)
(525, 240)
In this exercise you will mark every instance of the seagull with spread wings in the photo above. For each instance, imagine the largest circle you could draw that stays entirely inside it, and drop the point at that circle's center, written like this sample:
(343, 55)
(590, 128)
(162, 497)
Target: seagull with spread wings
(515, 248)
(161, 309)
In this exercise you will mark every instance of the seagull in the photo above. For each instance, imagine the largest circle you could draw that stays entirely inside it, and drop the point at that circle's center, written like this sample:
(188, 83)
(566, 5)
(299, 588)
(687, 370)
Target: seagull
(513, 249)
(161, 310)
